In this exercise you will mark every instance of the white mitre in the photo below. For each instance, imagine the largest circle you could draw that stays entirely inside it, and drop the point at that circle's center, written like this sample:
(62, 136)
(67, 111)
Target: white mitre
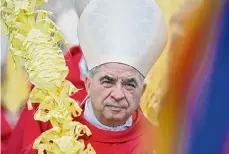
(132, 32)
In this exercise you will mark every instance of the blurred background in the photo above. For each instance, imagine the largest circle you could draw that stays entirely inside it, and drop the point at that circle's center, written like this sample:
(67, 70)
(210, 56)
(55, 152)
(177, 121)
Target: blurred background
(187, 95)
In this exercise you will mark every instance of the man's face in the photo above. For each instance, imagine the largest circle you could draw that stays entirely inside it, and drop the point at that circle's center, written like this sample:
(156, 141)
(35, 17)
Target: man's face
(115, 92)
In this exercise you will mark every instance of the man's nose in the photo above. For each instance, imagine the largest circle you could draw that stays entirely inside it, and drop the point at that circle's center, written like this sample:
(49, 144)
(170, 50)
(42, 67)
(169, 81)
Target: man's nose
(117, 92)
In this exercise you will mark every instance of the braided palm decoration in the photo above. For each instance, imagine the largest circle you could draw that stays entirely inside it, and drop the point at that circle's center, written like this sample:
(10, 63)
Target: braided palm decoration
(34, 38)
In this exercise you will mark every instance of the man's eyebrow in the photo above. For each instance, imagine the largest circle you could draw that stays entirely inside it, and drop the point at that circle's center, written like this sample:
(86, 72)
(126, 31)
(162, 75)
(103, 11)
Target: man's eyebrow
(130, 80)
(106, 77)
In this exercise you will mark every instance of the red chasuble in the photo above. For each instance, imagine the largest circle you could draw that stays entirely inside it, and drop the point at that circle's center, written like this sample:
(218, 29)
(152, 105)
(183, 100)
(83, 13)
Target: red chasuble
(6, 131)
(137, 139)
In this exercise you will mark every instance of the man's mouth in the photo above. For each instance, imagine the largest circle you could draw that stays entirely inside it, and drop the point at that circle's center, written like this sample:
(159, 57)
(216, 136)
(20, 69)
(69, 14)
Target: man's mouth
(115, 108)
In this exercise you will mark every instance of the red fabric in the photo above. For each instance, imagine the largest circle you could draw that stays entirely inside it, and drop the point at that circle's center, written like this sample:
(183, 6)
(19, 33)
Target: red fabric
(73, 58)
(6, 131)
(138, 138)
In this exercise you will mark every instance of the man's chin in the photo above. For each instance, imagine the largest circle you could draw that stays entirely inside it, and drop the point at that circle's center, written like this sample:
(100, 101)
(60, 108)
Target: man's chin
(116, 118)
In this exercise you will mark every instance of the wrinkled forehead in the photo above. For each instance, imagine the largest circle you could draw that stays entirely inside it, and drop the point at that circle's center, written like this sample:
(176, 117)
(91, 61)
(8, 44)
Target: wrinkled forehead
(118, 70)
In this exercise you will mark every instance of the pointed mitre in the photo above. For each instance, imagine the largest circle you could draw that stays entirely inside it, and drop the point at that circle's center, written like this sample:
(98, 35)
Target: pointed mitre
(131, 32)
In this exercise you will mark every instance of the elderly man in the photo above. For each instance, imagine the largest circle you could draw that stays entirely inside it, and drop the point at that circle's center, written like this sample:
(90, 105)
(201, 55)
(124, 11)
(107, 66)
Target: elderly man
(121, 40)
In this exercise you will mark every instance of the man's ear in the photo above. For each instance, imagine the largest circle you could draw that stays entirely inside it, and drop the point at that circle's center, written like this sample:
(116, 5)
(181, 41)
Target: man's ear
(144, 88)
(87, 83)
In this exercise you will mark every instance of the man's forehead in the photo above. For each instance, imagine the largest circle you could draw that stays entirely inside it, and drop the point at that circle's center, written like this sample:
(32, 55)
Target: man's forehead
(115, 76)
(118, 67)
(118, 71)
(119, 75)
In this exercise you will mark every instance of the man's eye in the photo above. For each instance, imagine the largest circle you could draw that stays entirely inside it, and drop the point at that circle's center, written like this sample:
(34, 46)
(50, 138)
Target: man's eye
(107, 83)
(130, 86)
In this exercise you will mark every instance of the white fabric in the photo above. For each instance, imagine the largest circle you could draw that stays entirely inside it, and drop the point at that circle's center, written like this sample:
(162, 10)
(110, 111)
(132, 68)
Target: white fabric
(68, 21)
(4, 47)
(80, 5)
(131, 32)
(91, 118)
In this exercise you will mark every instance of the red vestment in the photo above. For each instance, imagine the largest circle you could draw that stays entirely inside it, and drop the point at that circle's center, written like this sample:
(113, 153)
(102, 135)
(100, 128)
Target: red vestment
(138, 138)
(6, 131)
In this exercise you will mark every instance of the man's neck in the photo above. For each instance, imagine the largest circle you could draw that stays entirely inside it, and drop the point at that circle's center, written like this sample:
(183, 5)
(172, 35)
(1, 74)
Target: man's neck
(91, 118)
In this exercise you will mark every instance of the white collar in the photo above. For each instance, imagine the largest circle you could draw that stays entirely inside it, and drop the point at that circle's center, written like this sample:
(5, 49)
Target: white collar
(91, 118)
